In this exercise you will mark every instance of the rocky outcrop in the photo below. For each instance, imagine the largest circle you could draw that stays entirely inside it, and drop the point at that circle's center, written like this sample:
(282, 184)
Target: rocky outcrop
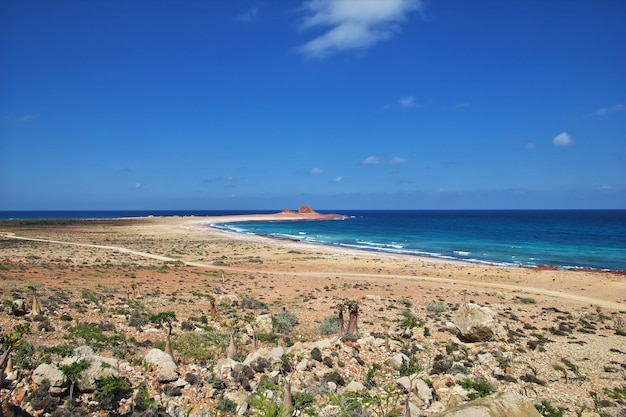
(304, 209)
(58, 381)
(477, 323)
(100, 367)
(498, 405)
(166, 367)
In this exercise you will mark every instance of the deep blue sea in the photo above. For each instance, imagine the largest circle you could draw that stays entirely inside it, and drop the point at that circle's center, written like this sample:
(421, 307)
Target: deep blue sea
(562, 238)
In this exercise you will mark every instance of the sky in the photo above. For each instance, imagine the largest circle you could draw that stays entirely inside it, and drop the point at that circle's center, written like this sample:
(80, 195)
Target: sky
(337, 104)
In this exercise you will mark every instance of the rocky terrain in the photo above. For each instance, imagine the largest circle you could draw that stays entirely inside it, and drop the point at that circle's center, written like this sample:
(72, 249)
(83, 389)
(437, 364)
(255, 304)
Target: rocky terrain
(212, 325)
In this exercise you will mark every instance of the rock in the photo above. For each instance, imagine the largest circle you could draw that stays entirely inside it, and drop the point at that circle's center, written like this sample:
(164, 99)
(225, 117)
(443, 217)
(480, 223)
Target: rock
(354, 386)
(304, 209)
(227, 369)
(476, 323)
(502, 404)
(335, 377)
(240, 399)
(260, 365)
(58, 381)
(100, 367)
(264, 324)
(417, 386)
(398, 359)
(277, 353)
(260, 360)
(166, 368)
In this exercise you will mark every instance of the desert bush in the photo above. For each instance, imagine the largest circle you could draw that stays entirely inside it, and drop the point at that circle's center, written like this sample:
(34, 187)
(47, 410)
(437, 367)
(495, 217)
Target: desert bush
(284, 321)
(329, 325)
(477, 388)
(409, 321)
(436, 307)
(200, 347)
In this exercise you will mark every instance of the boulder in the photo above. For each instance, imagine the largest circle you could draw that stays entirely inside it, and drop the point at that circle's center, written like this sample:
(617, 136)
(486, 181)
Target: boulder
(58, 381)
(166, 367)
(398, 359)
(476, 323)
(502, 404)
(100, 367)
(264, 324)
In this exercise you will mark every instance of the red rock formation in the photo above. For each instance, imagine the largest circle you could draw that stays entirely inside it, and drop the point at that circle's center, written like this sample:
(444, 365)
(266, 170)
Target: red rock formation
(304, 209)
(286, 210)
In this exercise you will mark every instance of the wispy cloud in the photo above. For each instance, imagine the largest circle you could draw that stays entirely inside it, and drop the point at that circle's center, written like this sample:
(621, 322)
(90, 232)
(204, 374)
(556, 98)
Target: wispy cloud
(397, 160)
(371, 160)
(248, 16)
(215, 180)
(353, 24)
(17, 119)
(338, 179)
(603, 111)
(137, 185)
(407, 101)
(316, 171)
(563, 139)
(606, 187)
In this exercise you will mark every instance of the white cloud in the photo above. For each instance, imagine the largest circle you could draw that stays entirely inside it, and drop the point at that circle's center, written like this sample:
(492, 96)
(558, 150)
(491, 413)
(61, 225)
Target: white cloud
(407, 101)
(606, 110)
(563, 139)
(316, 171)
(606, 187)
(338, 179)
(248, 16)
(17, 119)
(397, 160)
(353, 24)
(138, 185)
(371, 160)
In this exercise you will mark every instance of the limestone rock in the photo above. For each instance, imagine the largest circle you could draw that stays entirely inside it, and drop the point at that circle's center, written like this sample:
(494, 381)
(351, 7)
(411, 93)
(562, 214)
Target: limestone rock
(503, 404)
(264, 324)
(100, 367)
(166, 368)
(58, 381)
(398, 359)
(476, 323)
(354, 386)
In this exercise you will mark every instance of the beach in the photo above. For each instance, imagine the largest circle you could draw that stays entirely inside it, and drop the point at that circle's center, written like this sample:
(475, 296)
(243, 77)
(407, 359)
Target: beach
(179, 263)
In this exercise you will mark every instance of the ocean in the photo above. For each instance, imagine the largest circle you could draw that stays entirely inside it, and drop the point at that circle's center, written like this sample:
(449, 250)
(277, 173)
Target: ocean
(568, 239)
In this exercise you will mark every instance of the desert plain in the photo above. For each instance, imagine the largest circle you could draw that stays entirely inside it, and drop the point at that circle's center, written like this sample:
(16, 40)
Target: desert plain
(562, 344)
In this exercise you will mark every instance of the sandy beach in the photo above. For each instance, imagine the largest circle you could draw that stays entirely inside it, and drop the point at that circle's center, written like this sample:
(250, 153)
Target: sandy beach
(176, 263)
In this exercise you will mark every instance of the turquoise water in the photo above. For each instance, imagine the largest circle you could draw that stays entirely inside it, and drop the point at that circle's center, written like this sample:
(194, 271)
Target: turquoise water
(562, 238)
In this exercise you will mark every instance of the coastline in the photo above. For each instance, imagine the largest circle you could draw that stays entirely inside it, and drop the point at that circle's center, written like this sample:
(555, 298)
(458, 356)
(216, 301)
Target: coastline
(178, 263)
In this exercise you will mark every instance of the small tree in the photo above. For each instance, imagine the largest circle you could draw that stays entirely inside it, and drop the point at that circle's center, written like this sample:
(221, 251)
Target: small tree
(10, 342)
(36, 306)
(72, 372)
(166, 317)
(213, 309)
(353, 311)
(340, 308)
(231, 350)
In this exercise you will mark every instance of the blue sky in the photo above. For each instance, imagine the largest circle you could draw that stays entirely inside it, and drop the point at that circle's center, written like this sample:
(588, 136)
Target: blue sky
(339, 104)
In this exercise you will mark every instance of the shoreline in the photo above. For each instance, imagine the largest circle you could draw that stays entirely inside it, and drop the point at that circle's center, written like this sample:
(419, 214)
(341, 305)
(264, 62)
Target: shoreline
(99, 271)
(323, 217)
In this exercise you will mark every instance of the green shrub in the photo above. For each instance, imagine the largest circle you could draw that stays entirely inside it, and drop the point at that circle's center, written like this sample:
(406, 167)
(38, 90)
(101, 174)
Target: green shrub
(284, 321)
(436, 307)
(409, 321)
(478, 388)
(329, 325)
(546, 409)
